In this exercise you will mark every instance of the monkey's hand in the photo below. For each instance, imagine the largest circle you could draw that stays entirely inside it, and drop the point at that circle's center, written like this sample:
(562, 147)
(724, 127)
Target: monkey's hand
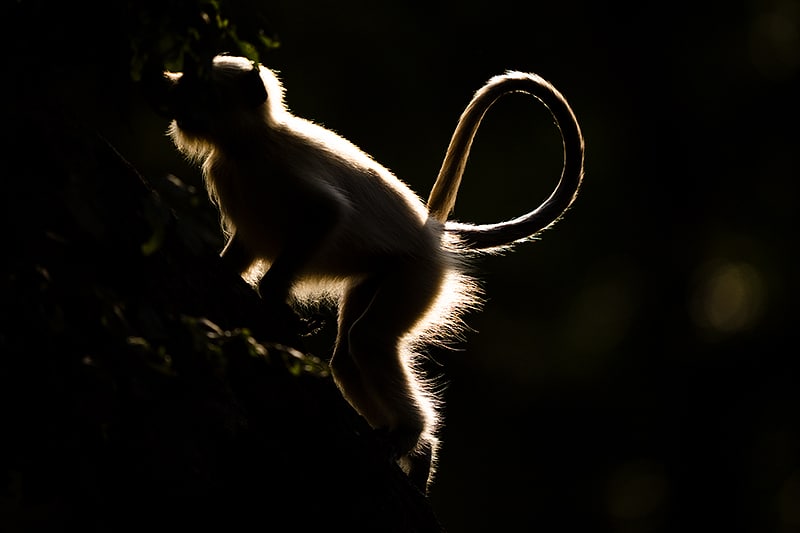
(275, 286)
(277, 304)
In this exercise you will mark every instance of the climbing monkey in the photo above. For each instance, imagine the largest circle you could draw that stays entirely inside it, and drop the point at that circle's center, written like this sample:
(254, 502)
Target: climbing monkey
(322, 213)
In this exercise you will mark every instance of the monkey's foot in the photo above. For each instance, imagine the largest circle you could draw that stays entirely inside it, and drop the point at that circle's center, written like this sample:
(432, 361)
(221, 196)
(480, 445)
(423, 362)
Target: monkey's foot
(416, 464)
(418, 467)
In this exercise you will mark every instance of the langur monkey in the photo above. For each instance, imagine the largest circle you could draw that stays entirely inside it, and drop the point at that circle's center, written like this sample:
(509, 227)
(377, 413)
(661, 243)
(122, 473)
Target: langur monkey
(319, 211)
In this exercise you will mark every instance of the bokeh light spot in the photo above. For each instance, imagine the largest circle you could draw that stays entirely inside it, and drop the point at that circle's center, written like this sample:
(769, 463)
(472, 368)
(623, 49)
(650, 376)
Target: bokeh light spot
(728, 298)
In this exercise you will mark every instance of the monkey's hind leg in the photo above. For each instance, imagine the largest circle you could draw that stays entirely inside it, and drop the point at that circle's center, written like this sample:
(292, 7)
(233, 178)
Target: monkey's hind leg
(375, 373)
(344, 369)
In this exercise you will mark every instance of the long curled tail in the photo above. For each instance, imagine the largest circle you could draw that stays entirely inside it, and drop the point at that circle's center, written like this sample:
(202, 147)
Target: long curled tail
(443, 195)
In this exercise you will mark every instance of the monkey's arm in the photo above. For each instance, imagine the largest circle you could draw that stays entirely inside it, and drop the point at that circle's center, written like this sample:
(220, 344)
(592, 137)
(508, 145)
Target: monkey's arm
(235, 256)
(316, 218)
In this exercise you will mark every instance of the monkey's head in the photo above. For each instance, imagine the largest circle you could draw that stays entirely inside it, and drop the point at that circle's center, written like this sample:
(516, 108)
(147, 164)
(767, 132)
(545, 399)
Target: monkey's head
(202, 103)
(227, 102)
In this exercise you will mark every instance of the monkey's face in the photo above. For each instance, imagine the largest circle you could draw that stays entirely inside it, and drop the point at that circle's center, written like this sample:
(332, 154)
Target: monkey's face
(210, 106)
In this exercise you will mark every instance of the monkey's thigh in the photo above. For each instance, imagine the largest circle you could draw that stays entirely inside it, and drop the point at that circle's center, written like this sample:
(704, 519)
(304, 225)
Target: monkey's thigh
(346, 373)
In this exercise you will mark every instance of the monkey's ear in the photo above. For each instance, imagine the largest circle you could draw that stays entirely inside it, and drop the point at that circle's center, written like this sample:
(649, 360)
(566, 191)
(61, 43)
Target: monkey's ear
(253, 91)
(157, 89)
